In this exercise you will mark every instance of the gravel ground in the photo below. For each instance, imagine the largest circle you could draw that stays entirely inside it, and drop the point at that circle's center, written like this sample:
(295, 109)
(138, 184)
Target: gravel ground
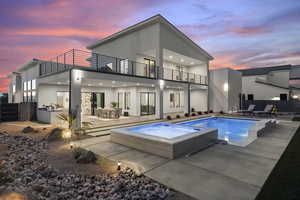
(32, 168)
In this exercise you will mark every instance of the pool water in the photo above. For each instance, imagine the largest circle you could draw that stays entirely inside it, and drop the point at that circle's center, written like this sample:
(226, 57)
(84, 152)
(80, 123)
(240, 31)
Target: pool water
(164, 130)
(231, 130)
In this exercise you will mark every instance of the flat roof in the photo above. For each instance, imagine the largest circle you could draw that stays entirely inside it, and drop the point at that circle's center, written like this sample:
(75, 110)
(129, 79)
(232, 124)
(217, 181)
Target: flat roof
(263, 70)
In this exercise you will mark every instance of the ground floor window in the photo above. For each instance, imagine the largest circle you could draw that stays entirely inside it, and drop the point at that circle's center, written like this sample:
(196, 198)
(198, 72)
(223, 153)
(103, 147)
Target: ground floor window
(175, 100)
(62, 100)
(124, 100)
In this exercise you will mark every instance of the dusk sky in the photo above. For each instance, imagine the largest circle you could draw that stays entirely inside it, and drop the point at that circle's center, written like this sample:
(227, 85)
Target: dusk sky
(237, 33)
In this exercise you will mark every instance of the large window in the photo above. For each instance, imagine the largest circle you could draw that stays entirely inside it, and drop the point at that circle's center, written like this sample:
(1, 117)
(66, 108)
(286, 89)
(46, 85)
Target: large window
(175, 99)
(124, 66)
(124, 100)
(62, 100)
(149, 68)
(33, 84)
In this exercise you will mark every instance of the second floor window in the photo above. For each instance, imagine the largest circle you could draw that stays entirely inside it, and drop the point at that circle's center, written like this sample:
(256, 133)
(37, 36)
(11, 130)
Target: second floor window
(149, 70)
(124, 66)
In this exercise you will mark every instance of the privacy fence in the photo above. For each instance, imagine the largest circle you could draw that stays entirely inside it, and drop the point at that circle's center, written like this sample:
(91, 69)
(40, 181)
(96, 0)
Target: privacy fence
(18, 112)
(282, 106)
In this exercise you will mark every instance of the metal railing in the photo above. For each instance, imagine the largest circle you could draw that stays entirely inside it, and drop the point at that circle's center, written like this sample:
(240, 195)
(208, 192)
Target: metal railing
(177, 75)
(108, 64)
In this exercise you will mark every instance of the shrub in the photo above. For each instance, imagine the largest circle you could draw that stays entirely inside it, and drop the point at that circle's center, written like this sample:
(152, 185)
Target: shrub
(206, 112)
(221, 112)
(169, 117)
(211, 111)
(177, 116)
(193, 109)
(193, 114)
(186, 114)
(199, 113)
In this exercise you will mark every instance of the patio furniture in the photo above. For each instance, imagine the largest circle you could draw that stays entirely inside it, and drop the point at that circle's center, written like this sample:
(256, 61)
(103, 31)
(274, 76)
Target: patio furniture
(109, 113)
(268, 110)
(248, 111)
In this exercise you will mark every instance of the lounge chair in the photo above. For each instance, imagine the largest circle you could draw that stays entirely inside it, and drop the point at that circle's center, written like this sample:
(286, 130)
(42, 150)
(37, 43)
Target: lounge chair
(268, 110)
(248, 111)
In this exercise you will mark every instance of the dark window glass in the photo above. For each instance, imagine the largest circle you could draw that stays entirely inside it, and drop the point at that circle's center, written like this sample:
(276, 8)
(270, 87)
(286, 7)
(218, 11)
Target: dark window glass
(250, 97)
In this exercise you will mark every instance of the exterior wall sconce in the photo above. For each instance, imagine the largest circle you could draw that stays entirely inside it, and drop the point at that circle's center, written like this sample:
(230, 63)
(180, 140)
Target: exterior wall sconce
(225, 87)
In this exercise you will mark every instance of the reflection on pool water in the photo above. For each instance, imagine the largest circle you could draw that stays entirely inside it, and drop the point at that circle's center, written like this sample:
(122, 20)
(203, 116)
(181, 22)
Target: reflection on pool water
(164, 130)
(231, 130)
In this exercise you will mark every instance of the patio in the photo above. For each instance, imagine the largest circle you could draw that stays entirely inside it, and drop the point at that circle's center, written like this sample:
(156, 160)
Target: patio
(219, 172)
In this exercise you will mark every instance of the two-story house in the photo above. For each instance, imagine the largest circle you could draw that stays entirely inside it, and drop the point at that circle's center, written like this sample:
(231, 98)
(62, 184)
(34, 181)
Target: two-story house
(150, 68)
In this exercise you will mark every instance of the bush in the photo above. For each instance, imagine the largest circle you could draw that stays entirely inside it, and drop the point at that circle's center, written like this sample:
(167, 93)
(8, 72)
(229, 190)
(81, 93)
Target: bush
(177, 116)
(186, 114)
(77, 152)
(211, 111)
(199, 113)
(193, 114)
(55, 134)
(221, 112)
(169, 117)
(206, 112)
(193, 109)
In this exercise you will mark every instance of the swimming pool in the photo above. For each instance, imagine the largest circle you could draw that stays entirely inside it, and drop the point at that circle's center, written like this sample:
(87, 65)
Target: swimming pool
(164, 130)
(232, 130)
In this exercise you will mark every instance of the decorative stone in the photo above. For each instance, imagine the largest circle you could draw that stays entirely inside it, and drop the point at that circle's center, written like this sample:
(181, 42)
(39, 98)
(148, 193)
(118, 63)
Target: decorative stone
(28, 129)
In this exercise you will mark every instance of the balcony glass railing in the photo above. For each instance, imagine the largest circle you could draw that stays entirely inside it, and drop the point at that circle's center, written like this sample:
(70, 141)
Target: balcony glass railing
(108, 64)
(176, 75)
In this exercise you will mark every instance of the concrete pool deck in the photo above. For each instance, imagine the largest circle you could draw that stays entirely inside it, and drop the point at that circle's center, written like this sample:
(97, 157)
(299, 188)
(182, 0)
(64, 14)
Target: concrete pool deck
(218, 172)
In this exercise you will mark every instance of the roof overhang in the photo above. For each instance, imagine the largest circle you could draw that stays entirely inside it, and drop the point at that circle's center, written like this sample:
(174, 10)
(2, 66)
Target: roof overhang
(29, 64)
(152, 20)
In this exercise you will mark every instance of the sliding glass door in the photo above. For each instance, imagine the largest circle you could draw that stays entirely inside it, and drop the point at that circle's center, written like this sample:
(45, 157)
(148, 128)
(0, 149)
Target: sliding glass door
(97, 101)
(147, 103)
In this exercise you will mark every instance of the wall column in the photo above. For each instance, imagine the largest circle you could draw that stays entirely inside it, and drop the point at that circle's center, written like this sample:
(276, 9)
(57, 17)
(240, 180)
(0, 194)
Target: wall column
(187, 98)
(75, 96)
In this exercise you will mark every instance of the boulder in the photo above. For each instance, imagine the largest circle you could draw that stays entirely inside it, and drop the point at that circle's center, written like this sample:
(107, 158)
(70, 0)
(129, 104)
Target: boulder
(55, 134)
(28, 129)
(86, 157)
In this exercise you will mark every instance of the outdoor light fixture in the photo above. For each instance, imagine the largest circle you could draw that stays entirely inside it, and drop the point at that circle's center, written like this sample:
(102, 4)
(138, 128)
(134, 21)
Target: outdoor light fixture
(119, 165)
(137, 84)
(100, 83)
(181, 60)
(67, 134)
(161, 84)
(192, 63)
(170, 57)
(71, 145)
(89, 84)
(226, 138)
(295, 97)
(113, 82)
(225, 87)
(77, 75)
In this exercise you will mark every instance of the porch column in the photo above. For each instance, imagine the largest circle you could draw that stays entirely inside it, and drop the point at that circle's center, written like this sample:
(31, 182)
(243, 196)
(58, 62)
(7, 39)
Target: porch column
(75, 95)
(187, 98)
(160, 99)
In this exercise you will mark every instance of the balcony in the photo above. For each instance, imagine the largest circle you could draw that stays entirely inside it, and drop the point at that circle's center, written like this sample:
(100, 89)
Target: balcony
(107, 64)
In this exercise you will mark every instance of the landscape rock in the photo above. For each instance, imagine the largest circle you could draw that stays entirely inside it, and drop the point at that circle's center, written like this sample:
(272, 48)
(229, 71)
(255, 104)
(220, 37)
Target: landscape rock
(55, 134)
(28, 129)
(26, 171)
(86, 157)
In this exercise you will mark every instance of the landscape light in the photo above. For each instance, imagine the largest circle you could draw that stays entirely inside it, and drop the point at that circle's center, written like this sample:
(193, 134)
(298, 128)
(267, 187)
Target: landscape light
(67, 134)
(71, 145)
(119, 165)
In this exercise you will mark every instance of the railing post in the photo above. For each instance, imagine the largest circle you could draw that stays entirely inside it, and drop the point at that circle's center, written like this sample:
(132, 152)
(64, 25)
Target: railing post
(200, 79)
(73, 52)
(57, 64)
(96, 61)
(65, 60)
(188, 77)
(172, 74)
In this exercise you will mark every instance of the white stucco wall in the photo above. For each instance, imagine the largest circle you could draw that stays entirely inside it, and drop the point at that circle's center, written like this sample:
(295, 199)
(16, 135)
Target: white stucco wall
(199, 100)
(221, 99)
(260, 91)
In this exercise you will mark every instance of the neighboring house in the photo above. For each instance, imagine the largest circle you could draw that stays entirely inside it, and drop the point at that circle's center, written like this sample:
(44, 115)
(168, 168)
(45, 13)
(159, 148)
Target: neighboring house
(150, 68)
(23, 86)
(267, 83)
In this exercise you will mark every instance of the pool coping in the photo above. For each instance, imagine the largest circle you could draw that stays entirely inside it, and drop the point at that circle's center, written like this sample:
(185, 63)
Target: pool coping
(169, 148)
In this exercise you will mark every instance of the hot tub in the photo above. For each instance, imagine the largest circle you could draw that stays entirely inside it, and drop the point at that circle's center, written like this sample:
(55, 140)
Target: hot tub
(166, 140)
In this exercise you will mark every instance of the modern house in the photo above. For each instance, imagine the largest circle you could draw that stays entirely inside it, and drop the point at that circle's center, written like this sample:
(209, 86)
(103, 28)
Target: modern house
(148, 69)
(268, 83)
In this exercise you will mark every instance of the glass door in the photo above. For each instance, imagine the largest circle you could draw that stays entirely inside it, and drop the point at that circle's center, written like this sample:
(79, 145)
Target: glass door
(97, 101)
(149, 68)
(147, 103)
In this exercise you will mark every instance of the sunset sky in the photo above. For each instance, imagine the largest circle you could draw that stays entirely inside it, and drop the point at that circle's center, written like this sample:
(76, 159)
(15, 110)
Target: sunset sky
(238, 33)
